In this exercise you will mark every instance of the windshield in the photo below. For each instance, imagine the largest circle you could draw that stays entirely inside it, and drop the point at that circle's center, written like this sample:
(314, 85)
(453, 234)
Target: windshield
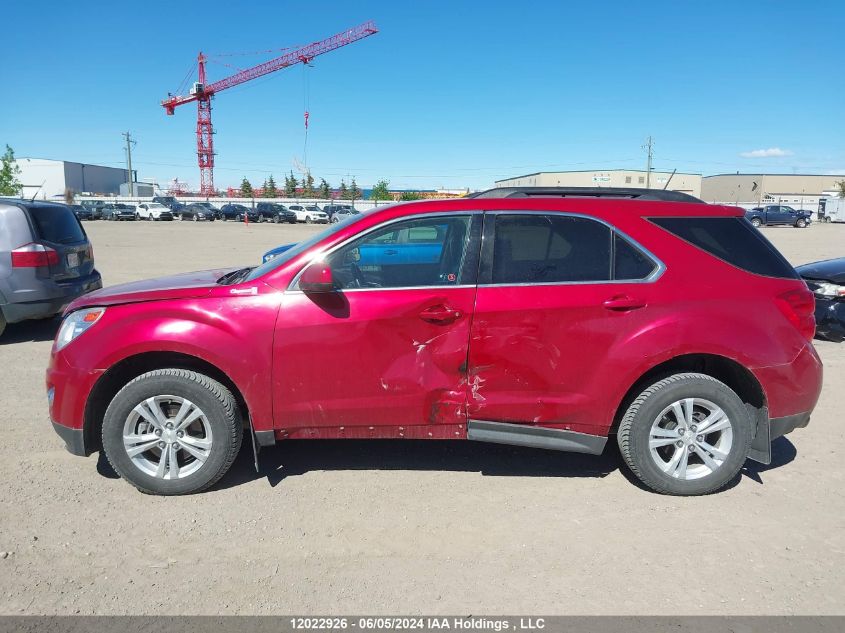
(156, 206)
(299, 248)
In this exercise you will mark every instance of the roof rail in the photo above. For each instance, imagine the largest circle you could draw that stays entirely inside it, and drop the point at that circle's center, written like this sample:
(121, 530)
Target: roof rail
(587, 192)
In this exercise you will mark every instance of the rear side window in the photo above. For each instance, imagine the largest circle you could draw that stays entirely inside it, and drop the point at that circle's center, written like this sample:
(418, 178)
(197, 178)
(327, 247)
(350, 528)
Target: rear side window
(56, 224)
(733, 240)
(546, 249)
(630, 262)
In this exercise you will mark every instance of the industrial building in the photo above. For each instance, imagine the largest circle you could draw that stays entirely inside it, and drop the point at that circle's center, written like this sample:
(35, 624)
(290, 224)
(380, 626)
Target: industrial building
(687, 183)
(797, 190)
(49, 179)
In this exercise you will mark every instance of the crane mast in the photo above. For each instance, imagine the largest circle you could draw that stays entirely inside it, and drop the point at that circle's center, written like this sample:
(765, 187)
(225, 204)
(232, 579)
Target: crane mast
(202, 92)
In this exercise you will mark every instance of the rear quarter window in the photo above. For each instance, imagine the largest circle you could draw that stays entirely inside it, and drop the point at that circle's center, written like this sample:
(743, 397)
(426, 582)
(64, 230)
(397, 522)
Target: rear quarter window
(56, 224)
(732, 240)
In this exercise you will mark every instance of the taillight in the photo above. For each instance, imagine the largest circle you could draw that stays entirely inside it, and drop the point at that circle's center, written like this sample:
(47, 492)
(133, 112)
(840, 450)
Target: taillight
(34, 255)
(799, 306)
(90, 251)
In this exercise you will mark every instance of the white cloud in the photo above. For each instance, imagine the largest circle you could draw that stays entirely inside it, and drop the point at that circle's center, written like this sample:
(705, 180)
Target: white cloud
(772, 152)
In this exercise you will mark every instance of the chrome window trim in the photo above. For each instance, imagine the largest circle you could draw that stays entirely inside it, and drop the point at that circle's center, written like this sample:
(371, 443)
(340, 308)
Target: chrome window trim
(654, 276)
(293, 287)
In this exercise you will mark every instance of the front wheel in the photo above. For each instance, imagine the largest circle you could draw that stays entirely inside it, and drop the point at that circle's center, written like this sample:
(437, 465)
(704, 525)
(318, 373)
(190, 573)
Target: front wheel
(172, 432)
(688, 434)
(308, 219)
(801, 223)
(196, 218)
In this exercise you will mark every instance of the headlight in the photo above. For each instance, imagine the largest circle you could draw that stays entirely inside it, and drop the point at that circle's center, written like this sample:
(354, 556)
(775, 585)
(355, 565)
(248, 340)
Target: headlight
(76, 323)
(830, 290)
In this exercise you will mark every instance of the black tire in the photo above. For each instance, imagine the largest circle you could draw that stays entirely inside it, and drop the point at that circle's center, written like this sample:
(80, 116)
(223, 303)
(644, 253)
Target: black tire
(239, 218)
(196, 218)
(2, 323)
(802, 223)
(308, 219)
(635, 431)
(215, 400)
(756, 222)
(181, 217)
(292, 221)
(276, 219)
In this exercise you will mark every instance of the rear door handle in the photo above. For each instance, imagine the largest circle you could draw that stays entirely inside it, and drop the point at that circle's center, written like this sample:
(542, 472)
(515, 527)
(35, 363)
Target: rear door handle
(440, 314)
(623, 303)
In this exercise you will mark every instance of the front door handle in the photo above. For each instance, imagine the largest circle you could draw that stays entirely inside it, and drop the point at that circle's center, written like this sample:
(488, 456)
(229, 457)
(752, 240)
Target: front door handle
(440, 314)
(623, 303)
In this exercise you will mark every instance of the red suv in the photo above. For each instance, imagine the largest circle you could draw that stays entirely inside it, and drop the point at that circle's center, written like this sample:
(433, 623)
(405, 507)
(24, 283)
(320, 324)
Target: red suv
(544, 318)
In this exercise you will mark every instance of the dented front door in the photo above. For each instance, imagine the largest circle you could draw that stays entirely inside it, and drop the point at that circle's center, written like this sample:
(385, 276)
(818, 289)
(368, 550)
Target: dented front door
(373, 359)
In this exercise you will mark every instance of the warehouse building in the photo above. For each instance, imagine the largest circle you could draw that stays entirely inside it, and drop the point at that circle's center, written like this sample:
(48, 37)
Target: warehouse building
(684, 182)
(796, 190)
(49, 179)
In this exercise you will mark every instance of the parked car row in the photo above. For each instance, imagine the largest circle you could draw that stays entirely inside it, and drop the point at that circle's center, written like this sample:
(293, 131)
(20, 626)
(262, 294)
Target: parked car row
(168, 208)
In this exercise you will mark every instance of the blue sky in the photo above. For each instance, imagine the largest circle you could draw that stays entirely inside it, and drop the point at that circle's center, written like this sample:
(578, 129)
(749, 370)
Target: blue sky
(447, 94)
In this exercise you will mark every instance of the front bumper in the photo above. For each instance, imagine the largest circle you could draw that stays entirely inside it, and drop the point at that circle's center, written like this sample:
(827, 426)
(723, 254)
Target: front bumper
(830, 319)
(59, 298)
(74, 439)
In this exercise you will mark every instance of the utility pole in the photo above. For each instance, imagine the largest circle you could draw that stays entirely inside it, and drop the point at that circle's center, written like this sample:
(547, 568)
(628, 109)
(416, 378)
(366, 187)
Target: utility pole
(649, 147)
(129, 144)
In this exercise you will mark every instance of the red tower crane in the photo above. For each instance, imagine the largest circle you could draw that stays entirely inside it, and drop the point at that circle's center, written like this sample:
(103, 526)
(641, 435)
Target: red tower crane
(202, 92)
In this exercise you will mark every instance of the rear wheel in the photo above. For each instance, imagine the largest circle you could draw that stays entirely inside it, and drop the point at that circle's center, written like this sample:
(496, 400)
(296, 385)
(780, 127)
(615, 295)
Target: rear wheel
(239, 218)
(308, 219)
(172, 432)
(756, 222)
(181, 217)
(196, 218)
(688, 434)
(2, 323)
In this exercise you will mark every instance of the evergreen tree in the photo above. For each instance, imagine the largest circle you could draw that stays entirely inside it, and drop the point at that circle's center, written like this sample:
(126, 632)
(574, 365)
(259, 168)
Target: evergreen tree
(354, 192)
(343, 191)
(290, 185)
(246, 189)
(270, 190)
(410, 195)
(9, 170)
(308, 186)
(380, 191)
(325, 189)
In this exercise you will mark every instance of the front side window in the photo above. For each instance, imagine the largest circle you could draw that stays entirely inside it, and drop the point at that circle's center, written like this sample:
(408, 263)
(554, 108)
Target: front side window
(412, 253)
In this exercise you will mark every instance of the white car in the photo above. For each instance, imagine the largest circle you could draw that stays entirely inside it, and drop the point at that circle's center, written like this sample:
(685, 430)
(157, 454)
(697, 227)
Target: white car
(152, 211)
(309, 214)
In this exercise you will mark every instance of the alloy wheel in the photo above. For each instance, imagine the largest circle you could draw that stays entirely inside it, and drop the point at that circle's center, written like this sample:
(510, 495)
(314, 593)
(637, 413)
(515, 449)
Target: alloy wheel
(167, 437)
(690, 439)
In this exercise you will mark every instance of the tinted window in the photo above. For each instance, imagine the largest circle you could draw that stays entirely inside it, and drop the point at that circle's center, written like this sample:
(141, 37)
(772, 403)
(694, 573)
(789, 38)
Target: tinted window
(386, 258)
(733, 240)
(543, 249)
(56, 224)
(630, 262)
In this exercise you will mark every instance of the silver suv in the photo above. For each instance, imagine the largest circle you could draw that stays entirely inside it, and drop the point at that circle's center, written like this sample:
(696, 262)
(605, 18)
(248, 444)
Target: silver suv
(46, 260)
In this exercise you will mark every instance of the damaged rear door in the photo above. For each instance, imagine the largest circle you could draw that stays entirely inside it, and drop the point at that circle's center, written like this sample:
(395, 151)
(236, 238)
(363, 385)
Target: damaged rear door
(389, 347)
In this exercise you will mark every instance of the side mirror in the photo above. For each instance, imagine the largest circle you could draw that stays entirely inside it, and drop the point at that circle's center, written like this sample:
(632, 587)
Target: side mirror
(317, 278)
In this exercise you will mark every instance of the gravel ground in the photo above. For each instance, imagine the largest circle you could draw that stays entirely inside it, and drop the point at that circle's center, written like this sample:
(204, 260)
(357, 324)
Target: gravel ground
(409, 527)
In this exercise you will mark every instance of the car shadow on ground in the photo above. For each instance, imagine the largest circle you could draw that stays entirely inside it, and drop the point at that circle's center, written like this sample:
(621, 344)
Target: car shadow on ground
(30, 331)
(298, 457)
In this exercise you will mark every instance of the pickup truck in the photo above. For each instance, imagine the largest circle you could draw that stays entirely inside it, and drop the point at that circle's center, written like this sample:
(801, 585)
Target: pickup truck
(774, 214)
